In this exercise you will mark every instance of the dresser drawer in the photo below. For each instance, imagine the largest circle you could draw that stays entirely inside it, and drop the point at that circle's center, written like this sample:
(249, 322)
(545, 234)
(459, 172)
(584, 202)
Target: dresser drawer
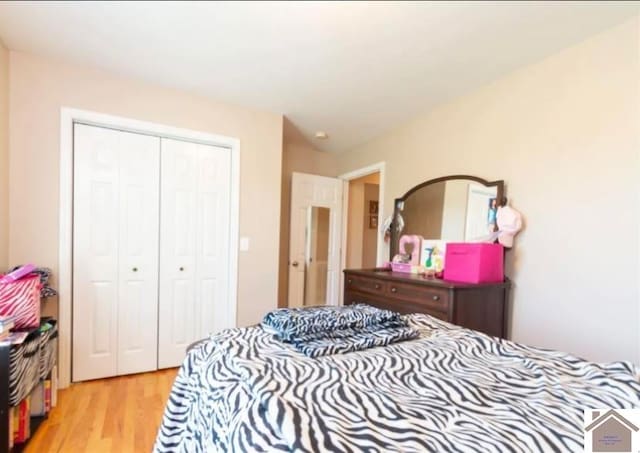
(401, 306)
(367, 285)
(429, 297)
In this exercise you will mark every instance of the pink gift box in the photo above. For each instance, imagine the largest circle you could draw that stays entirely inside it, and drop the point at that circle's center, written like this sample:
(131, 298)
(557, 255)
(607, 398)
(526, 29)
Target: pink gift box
(474, 262)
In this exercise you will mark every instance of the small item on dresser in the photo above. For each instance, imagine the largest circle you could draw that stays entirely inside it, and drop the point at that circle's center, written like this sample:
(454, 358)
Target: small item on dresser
(509, 223)
(474, 262)
(408, 262)
(433, 255)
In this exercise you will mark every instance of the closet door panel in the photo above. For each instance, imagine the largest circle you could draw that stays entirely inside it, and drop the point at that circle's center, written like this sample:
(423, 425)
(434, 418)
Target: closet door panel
(138, 253)
(178, 203)
(116, 196)
(194, 250)
(212, 248)
(95, 252)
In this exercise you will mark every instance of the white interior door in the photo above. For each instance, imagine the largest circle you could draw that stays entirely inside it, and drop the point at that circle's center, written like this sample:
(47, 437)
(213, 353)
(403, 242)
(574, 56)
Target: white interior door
(115, 252)
(307, 191)
(194, 246)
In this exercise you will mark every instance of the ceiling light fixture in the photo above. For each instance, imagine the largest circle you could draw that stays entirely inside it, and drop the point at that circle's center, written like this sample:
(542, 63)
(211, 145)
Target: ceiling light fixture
(322, 135)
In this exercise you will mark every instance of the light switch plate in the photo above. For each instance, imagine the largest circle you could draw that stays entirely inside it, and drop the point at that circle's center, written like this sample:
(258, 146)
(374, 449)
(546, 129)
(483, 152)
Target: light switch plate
(244, 244)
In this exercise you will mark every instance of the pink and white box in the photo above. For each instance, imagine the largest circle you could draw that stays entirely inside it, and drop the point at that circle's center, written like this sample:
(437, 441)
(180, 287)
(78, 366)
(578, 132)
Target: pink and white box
(469, 262)
(20, 299)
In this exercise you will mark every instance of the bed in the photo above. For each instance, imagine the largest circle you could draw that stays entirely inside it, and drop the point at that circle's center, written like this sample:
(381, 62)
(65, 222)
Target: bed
(450, 389)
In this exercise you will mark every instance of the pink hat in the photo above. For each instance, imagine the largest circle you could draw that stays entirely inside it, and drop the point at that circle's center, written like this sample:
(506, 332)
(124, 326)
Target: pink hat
(509, 222)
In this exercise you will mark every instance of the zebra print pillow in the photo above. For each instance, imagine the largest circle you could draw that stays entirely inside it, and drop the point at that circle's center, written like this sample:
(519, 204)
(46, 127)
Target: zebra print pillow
(452, 389)
(290, 324)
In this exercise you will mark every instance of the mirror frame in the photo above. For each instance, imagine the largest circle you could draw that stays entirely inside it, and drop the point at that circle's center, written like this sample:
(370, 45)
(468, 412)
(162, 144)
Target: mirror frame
(500, 197)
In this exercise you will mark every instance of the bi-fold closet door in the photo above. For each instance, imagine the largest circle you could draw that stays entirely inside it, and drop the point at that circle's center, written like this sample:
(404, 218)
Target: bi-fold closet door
(151, 249)
(194, 251)
(115, 252)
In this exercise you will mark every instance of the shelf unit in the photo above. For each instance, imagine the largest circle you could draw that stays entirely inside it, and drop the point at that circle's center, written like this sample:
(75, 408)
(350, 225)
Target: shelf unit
(35, 421)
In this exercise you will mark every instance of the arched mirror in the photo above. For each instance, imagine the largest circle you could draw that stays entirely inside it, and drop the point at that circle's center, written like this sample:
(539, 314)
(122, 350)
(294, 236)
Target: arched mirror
(457, 208)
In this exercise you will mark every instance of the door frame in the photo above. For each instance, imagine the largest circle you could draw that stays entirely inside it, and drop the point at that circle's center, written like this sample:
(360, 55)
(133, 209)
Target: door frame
(378, 167)
(69, 116)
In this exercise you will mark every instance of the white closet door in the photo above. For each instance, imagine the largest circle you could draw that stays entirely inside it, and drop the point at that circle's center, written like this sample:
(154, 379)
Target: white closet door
(194, 246)
(115, 230)
(138, 253)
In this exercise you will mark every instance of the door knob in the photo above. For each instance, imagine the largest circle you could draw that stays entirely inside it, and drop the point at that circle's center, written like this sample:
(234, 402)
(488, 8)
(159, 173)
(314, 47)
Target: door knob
(135, 269)
(294, 264)
(181, 268)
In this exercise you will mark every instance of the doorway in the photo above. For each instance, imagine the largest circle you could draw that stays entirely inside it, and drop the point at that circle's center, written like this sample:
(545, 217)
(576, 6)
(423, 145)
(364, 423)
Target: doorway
(316, 200)
(363, 243)
(362, 222)
(314, 240)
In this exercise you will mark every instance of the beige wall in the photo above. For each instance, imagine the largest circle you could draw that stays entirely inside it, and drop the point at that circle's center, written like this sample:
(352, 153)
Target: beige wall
(39, 88)
(300, 156)
(564, 135)
(4, 158)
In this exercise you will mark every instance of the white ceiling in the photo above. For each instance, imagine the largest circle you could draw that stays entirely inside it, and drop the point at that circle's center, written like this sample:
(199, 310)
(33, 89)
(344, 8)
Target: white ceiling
(354, 70)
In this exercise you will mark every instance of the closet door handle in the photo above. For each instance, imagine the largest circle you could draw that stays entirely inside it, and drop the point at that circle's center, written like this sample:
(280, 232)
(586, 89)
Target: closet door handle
(135, 269)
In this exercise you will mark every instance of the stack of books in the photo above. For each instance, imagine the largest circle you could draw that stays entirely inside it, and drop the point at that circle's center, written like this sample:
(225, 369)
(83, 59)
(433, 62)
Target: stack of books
(6, 324)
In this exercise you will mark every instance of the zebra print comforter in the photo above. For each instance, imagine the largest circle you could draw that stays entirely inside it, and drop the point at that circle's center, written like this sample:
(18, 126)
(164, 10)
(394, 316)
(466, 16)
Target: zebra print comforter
(452, 389)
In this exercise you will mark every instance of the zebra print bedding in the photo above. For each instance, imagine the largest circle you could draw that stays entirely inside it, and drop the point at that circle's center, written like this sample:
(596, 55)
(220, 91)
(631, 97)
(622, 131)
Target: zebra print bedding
(325, 330)
(291, 324)
(451, 389)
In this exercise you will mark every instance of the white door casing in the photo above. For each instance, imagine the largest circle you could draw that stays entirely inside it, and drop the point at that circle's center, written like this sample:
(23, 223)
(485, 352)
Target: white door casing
(115, 254)
(194, 246)
(313, 190)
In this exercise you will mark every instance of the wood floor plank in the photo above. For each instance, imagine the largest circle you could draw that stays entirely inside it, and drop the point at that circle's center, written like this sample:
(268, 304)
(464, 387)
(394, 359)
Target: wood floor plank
(115, 415)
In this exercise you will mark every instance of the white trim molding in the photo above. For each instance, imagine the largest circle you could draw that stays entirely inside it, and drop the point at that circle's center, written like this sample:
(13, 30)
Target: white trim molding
(70, 116)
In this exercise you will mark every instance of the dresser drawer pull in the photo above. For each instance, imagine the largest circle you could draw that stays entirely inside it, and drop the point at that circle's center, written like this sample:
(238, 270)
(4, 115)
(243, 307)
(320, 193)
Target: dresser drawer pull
(377, 285)
(436, 297)
(394, 289)
(350, 281)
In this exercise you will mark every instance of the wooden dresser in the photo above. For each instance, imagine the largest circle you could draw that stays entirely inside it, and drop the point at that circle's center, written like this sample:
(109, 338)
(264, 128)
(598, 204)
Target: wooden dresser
(481, 307)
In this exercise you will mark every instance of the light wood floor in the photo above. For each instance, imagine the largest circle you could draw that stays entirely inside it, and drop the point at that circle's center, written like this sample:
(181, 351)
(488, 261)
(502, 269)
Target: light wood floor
(117, 415)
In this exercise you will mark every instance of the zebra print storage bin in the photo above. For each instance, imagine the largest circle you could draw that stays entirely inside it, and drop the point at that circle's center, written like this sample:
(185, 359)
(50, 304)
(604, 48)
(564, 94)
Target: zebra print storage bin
(48, 348)
(24, 368)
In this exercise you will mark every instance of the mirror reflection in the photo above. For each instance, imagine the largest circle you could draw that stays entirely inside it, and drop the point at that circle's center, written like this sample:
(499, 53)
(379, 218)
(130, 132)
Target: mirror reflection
(456, 210)
(316, 256)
